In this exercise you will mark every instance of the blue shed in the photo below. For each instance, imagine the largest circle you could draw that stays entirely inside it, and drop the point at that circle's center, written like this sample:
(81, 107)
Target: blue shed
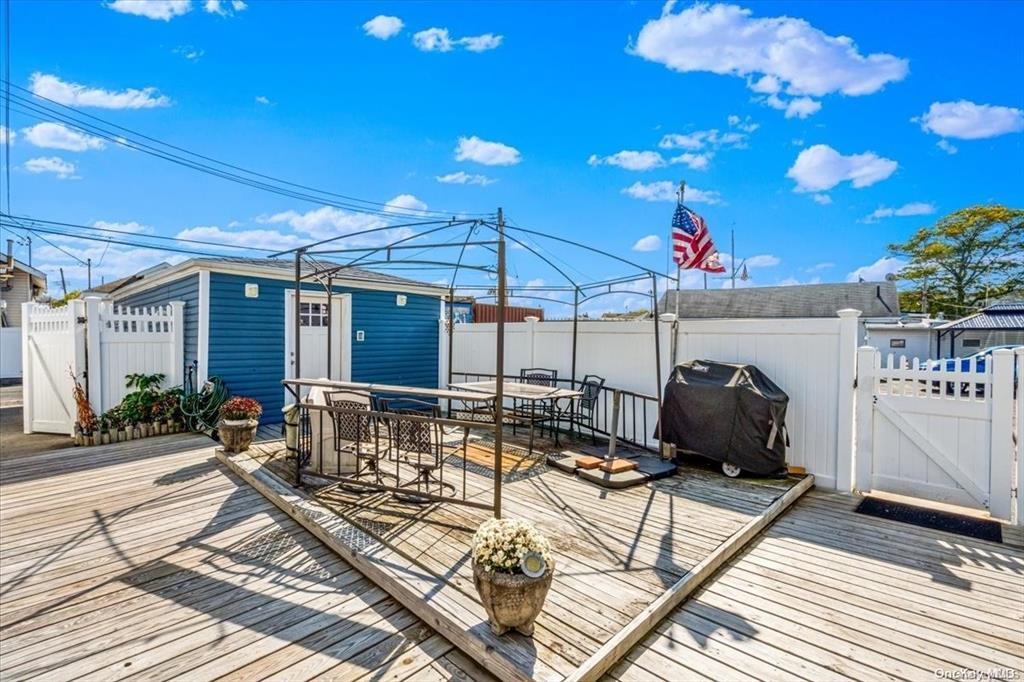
(237, 325)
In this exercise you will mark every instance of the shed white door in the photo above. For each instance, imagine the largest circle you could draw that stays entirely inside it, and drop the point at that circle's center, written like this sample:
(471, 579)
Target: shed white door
(315, 344)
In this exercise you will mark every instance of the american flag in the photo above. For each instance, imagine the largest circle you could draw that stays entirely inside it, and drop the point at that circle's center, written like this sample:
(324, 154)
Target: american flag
(692, 247)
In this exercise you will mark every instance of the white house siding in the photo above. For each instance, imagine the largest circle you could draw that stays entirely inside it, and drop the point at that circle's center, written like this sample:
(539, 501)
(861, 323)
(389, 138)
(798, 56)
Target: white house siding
(20, 291)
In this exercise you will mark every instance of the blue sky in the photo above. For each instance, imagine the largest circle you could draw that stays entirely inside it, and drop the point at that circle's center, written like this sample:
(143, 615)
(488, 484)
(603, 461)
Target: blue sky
(806, 146)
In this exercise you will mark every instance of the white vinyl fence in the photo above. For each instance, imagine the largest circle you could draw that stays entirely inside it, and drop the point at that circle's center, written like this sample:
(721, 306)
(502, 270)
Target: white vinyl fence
(811, 359)
(10, 352)
(100, 344)
(939, 430)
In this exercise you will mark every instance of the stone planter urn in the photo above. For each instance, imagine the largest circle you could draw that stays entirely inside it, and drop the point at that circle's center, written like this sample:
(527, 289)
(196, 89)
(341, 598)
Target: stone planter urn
(512, 600)
(237, 434)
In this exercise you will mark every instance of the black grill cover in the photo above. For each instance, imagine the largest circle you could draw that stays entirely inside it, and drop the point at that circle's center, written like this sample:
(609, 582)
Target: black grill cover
(728, 413)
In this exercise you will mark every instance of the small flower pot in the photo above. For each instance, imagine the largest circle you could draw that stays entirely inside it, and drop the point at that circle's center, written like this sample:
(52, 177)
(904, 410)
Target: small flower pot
(96, 438)
(105, 437)
(512, 601)
(121, 437)
(237, 434)
(154, 429)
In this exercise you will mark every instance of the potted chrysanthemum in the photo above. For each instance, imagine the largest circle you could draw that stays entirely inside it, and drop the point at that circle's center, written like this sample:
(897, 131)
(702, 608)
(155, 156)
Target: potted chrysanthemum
(512, 570)
(238, 421)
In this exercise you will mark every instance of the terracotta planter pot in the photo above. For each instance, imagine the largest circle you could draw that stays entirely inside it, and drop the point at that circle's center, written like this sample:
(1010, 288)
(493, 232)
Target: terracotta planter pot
(511, 601)
(237, 434)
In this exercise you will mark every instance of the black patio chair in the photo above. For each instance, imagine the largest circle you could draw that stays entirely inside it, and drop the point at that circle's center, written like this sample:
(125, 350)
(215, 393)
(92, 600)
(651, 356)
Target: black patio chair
(355, 433)
(419, 443)
(535, 411)
(581, 412)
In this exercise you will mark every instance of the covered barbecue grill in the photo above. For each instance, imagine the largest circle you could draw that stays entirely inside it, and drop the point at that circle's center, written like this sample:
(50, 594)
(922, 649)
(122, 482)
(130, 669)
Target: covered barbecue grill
(732, 414)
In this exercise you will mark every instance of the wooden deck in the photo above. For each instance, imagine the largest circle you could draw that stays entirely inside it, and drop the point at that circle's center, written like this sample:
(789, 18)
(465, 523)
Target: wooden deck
(616, 552)
(828, 594)
(148, 560)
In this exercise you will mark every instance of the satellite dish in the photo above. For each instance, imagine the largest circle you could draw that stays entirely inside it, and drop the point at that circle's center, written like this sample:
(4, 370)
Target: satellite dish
(891, 277)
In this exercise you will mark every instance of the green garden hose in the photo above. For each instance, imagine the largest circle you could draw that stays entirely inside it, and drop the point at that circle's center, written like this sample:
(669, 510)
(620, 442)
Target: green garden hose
(200, 408)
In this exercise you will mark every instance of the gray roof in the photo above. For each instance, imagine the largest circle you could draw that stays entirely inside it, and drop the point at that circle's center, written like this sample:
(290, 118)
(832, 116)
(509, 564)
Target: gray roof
(277, 264)
(873, 299)
(1006, 315)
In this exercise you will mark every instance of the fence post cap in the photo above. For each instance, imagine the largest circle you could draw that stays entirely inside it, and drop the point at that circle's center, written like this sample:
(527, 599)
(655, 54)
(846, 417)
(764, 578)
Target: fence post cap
(848, 312)
(667, 317)
(531, 318)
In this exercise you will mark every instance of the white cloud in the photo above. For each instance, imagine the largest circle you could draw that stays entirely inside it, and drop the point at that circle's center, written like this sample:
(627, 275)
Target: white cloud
(383, 26)
(744, 124)
(481, 43)
(130, 226)
(327, 221)
(802, 107)
(224, 8)
(163, 10)
(818, 267)
(822, 199)
(630, 160)
(693, 161)
(651, 242)
(263, 99)
(266, 239)
(433, 40)
(440, 40)
(464, 178)
(64, 170)
(911, 209)
(189, 52)
(486, 153)
(947, 146)
(821, 168)
(57, 136)
(969, 121)
(764, 260)
(772, 53)
(109, 260)
(665, 190)
(7, 135)
(73, 94)
(877, 271)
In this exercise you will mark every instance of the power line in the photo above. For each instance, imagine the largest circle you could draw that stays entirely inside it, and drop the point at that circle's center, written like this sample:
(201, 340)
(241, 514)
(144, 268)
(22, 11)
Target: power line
(61, 249)
(39, 111)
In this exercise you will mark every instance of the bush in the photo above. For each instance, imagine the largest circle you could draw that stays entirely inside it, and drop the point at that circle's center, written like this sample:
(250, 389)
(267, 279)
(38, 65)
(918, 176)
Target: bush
(241, 407)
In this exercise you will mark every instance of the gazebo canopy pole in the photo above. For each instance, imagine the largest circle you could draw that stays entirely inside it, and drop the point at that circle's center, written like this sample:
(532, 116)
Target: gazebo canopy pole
(297, 353)
(451, 338)
(330, 322)
(575, 331)
(657, 358)
(499, 367)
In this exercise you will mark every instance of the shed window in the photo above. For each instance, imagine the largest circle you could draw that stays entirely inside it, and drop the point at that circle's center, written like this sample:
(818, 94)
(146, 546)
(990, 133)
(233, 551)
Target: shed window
(897, 343)
(972, 343)
(313, 315)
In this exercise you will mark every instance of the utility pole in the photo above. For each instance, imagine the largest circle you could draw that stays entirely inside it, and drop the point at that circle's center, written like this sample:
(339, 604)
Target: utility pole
(88, 270)
(63, 284)
(29, 240)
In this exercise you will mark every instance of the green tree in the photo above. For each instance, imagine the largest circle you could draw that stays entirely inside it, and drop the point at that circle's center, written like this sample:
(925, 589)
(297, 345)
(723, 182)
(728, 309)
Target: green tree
(969, 256)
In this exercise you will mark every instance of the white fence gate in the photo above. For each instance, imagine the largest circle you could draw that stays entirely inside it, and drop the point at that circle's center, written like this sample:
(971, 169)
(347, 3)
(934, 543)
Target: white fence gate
(10, 352)
(940, 430)
(99, 344)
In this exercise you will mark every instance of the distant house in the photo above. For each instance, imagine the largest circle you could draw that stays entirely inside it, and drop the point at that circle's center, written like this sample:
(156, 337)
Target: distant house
(996, 325)
(877, 301)
(19, 283)
(910, 336)
(238, 324)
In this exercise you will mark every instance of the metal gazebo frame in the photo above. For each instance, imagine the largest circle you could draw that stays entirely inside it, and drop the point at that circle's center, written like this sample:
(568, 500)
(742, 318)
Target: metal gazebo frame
(382, 257)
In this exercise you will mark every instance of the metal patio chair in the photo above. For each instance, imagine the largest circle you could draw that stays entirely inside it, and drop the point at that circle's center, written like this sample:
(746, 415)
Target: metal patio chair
(581, 412)
(535, 411)
(355, 434)
(418, 443)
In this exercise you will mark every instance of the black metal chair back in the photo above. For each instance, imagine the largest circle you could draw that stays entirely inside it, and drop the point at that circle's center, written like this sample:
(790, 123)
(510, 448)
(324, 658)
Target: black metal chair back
(538, 376)
(409, 435)
(347, 426)
(591, 390)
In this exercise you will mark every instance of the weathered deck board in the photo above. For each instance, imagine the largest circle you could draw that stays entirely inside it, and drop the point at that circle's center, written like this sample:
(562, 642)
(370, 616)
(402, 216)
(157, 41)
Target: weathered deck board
(616, 552)
(827, 593)
(148, 560)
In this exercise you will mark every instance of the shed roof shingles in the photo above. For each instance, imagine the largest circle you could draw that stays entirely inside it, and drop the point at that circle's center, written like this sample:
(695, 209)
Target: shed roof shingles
(873, 299)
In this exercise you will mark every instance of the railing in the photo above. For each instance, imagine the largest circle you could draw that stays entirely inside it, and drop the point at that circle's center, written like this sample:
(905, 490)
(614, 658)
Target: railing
(634, 425)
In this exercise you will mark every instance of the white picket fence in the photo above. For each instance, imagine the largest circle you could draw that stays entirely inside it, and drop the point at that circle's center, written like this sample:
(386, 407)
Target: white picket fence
(809, 358)
(99, 344)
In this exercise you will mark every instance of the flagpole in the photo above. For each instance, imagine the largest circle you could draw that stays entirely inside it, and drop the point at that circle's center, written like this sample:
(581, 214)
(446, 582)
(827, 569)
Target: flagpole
(679, 268)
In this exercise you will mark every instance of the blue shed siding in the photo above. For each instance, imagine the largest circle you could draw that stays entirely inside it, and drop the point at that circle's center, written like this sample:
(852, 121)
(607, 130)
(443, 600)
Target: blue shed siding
(185, 289)
(247, 338)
